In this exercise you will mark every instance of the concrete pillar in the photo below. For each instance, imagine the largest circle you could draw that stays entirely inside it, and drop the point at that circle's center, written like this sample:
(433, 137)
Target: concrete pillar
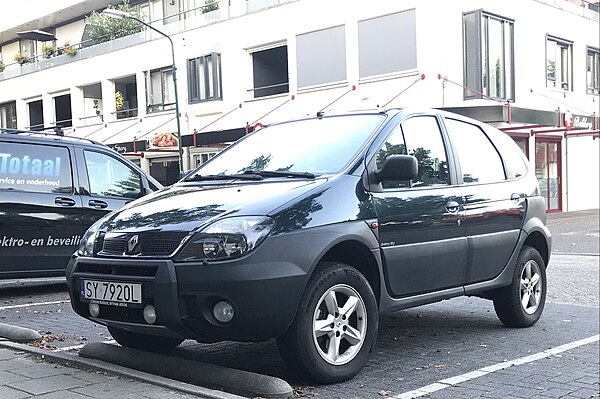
(77, 110)
(109, 108)
(140, 79)
(49, 113)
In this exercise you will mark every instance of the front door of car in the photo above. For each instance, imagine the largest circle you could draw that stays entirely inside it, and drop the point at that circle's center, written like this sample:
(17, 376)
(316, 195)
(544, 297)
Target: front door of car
(107, 183)
(494, 205)
(40, 221)
(420, 222)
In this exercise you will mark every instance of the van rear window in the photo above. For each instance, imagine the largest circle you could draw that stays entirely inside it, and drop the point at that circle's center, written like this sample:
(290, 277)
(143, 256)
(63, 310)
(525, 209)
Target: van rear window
(35, 168)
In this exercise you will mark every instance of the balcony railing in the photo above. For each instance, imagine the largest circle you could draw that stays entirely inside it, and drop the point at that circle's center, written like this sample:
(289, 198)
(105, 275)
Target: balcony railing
(186, 20)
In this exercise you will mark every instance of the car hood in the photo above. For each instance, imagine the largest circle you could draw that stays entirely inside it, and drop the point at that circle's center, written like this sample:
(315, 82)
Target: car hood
(184, 207)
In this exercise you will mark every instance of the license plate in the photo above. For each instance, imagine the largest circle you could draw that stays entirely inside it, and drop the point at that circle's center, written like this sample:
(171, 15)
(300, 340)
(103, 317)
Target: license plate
(110, 292)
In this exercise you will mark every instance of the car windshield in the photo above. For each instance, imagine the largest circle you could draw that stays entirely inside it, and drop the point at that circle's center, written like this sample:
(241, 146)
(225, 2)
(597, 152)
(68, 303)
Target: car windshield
(319, 146)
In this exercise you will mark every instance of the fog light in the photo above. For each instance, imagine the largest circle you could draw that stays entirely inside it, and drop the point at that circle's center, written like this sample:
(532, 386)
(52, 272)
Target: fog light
(149, 314)
(94, 309)
(223, 312)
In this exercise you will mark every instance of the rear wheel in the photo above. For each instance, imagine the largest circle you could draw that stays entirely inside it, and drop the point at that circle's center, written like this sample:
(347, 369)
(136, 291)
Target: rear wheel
(521, 304)
(144, 342)
(335, 327)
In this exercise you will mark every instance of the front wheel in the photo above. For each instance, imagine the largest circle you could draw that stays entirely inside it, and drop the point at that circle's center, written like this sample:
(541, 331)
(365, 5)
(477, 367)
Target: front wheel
(143, 342)
(521, 304)
(335, 327)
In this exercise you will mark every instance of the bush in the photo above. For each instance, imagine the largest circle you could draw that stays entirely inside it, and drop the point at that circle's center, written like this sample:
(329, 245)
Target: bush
(21, 58)
(103, 28)
(210, 5)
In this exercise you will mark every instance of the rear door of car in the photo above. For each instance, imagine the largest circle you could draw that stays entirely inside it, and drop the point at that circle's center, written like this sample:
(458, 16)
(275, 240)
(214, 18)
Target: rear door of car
(494, 209)
(40, 220)
(420, 222)
(107, 182)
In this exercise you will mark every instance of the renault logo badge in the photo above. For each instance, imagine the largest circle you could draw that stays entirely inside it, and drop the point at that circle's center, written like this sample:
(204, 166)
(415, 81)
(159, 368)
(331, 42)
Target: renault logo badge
(132, 243)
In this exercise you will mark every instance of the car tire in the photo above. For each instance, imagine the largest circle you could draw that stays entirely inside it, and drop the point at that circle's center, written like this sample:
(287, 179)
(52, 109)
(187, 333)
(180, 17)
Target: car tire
(521, 303)
(151, 343)
(335, 326)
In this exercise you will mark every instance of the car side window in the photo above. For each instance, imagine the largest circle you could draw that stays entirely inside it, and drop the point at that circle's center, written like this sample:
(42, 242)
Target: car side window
(35, 168)
(479, 160)
(110, 177)
(419, 136)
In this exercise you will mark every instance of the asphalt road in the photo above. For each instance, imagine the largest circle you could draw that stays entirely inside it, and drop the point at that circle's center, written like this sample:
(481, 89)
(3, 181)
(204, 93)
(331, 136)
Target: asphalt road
(416, 348)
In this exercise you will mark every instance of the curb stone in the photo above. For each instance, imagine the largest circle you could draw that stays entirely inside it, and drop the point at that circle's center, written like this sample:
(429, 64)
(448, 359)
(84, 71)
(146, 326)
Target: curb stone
(18, 334)
(99, 365)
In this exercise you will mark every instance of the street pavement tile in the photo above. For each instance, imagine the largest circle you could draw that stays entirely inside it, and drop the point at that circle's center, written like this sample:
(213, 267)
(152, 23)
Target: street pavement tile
(7, 377)
(39, 386)
(10, 393)
(62, 395)
(162, 394)
(93, 376)
(42, 369)
(7, 354)
(116, 389)
(14, 364)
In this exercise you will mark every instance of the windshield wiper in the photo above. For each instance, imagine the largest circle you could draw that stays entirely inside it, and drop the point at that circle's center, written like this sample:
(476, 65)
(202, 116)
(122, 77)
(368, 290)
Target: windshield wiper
(279, 173)
(245, 176)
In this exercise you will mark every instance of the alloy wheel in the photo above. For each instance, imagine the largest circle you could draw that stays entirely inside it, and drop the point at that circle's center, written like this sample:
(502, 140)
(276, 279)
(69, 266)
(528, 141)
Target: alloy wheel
(339, 324)
(531, 287)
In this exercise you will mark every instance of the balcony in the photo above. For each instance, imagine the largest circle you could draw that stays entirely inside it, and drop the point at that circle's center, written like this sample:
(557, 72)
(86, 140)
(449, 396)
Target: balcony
(184, 21)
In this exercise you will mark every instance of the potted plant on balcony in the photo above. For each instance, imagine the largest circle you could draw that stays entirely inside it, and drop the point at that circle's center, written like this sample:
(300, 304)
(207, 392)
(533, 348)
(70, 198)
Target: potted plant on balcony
(210, 5)
(2, 66)
(48, 50)
(68, 49)
(21, 58)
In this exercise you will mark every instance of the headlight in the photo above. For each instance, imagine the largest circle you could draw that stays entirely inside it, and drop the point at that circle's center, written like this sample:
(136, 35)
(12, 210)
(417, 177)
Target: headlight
(86, 245)
(227, 238)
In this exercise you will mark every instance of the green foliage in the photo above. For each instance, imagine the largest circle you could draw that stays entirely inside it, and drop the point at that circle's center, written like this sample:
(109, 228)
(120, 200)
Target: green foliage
(103, 28)
(210, 5)
(2, 66)
(48, 50)
(21, 58)
(68, 49)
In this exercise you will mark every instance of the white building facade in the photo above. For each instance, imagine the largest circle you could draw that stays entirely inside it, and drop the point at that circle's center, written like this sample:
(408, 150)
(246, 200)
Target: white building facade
(529, 67)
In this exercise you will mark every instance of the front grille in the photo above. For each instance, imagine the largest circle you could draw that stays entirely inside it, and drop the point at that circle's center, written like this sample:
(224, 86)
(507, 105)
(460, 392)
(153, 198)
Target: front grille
(115, 246)
(159, 247)
(147, 244)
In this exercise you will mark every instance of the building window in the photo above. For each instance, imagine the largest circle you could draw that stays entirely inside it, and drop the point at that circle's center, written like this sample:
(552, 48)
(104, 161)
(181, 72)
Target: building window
(399, 54)
(8, 115)
(171, 11)
(28, 49)
(270, 71)
(62, 111)
(593, 71)
(559, 63)
(204, 78)
(36, 115)
(314, 47)
(126, 102)
(160, 90)
(488, 55)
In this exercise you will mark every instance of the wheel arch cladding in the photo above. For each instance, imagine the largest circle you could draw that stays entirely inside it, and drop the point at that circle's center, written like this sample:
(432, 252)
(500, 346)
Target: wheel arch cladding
(357, 255)
(538, 241)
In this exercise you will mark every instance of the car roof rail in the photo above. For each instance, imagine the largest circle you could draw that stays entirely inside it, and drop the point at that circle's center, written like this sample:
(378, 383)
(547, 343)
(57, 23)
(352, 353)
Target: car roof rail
(56, 131)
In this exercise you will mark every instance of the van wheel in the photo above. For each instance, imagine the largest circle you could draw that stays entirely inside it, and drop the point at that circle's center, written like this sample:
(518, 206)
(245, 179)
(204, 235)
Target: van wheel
(152, 343)
(335, 326)
(521, 303)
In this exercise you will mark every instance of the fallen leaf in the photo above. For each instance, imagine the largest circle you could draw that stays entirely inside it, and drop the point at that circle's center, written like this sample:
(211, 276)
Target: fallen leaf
(383, 392)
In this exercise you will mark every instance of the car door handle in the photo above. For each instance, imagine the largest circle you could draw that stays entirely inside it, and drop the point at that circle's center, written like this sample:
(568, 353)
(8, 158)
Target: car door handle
(452, 206)
(62, 201)
(97, 204)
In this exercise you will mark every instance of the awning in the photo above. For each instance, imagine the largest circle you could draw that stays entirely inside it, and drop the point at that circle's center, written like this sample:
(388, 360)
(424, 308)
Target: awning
(36, 34)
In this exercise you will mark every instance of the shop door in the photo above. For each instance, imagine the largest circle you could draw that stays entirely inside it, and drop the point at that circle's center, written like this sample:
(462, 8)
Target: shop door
(548, 171)
(165, 170)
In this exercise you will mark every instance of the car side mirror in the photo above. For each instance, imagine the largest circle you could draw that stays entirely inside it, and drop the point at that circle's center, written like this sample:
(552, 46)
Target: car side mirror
(397, 167)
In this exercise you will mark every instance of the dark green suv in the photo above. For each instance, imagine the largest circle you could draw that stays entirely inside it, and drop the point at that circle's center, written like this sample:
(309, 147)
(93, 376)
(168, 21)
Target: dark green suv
(305, 231)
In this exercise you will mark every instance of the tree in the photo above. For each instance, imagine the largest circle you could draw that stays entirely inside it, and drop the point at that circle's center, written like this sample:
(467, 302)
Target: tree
(103, 28)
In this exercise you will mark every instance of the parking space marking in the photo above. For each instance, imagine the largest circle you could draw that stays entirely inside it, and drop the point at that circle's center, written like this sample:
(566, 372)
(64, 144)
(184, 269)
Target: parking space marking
(75, 347)
(27, 305)
(448, 382)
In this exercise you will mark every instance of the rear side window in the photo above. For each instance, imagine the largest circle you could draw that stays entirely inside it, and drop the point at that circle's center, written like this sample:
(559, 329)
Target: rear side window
(35, 168)
(479, 160)
(110, 177)
(515, 161)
